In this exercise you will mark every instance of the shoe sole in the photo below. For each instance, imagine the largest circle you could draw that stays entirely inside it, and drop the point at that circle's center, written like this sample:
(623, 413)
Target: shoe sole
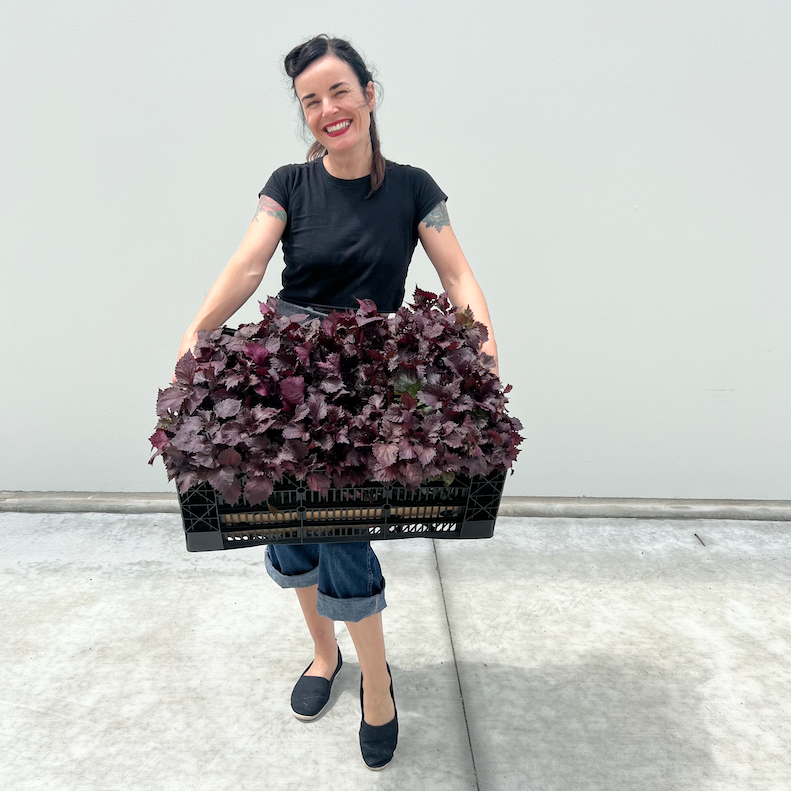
(308, 717)
(376, 768)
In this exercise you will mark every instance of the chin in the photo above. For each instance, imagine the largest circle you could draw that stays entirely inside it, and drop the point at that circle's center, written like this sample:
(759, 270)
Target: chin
(336, 146)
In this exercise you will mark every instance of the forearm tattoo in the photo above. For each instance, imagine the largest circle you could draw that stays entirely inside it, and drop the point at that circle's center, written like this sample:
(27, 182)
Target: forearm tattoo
(270, 207)
(437, 217)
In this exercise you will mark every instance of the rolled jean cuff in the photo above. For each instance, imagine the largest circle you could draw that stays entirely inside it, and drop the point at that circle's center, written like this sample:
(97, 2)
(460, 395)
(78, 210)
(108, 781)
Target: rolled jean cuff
(291, 580)
(352, 609)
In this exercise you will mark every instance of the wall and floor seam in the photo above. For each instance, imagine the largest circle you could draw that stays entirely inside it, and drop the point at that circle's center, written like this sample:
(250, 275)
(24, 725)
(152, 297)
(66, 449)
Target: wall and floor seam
(564, 507)
(456, 666)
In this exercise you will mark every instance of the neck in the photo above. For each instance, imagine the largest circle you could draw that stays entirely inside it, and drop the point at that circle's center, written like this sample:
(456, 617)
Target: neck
(349, 164)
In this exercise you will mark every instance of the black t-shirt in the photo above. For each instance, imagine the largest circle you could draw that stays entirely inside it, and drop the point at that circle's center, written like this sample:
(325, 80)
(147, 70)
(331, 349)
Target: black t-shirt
(337, 245)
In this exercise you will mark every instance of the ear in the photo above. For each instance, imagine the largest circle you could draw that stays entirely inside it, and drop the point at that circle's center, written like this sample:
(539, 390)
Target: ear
(371, 95)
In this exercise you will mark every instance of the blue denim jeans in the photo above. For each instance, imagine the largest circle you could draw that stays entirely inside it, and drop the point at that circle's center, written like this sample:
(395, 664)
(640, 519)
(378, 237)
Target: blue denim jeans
(351, 585)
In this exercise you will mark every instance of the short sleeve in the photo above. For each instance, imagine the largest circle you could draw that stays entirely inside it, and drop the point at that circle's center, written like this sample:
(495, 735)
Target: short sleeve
(427, 193)
(279, 186)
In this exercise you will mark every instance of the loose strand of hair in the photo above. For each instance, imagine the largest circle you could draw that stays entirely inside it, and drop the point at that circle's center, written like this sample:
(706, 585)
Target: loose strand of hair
(377, 160)
(316, 151)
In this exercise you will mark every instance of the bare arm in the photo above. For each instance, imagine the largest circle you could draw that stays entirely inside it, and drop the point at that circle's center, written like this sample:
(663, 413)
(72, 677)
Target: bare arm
(454, 271)
(243, 274)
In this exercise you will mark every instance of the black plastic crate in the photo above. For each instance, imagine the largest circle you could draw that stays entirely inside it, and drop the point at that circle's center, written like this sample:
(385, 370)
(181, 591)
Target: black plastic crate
(295, 514)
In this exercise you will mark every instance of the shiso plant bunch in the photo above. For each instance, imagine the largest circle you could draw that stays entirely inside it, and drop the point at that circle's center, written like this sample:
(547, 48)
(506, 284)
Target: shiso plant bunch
(346, 399)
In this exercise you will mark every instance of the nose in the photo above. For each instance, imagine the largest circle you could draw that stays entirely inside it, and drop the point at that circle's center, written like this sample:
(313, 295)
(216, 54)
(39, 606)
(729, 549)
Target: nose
(329, 107)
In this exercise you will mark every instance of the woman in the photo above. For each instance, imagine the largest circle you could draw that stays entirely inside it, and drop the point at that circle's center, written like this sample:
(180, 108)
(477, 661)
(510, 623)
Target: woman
(349, 222)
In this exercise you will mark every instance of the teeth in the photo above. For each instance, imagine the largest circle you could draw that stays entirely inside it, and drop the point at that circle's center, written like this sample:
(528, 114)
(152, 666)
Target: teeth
(338, 126)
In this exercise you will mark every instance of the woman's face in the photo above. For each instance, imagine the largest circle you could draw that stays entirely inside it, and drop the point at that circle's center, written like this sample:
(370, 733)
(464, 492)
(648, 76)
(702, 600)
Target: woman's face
(337, 110)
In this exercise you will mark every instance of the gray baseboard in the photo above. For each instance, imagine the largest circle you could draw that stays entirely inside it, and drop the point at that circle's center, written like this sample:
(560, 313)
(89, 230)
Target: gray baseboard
(569, 507)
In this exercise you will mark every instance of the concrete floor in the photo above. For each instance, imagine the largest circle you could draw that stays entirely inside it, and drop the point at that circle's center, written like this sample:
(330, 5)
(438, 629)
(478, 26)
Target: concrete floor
(563, 654)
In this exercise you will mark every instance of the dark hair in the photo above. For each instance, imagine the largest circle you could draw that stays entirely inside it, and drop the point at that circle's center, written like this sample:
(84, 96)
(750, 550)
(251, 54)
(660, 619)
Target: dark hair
(302, 56)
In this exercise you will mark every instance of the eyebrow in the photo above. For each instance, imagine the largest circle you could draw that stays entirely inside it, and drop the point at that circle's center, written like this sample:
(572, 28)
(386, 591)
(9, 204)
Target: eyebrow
(332, 88)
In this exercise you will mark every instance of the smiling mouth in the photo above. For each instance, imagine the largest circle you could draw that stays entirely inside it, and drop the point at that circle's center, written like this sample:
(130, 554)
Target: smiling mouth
(340, 126)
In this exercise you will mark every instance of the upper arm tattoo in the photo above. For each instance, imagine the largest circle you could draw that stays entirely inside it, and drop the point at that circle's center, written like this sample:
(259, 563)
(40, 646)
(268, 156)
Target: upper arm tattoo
(437, 217)
(270, 207)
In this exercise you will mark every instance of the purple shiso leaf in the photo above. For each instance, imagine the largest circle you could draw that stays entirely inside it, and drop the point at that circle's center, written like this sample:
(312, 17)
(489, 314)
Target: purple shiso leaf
(342, 436)
(487, 360)
(363, 320)
(408, 401)
(425, 454)
(319, 482)
(431, 395)
(498, 438)
(332, 384)
(188, 438)
(295, 431)
(228, 407)
(263, 388)
(258, 489)
(292, 389)
(175, 456)
(303, 351)
(194, 399)
(331, 366)
(367, 307)
(405, 449)
(262, 426)
(301, 412)
(186, 367)
(263, 413)
(479, 466)
(159, 439)
(187, 480)
(269, 308)
(235, 344)
(204, 458)
(389, 432)
(384, 474)
(377, 401)
(410, 474)
(292, 450)
(224, 481)
(477, 334)
(170, 400)
(455, 439)
(229, 457)
(231, 433)
(318, 408)
(256, 352)
(385, 454)
(234, 380)
(421, 298)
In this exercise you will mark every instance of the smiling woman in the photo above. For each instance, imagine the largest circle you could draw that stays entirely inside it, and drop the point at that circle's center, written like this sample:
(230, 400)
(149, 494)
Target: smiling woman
(336, 91)
(349, 222)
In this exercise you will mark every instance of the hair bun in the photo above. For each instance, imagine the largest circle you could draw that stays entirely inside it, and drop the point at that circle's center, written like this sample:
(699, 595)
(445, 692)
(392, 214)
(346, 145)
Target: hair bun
(291, 62)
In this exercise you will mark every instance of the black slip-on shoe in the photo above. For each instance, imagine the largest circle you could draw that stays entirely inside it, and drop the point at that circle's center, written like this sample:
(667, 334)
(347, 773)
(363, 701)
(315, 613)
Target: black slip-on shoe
(378, 742)
(312, 693)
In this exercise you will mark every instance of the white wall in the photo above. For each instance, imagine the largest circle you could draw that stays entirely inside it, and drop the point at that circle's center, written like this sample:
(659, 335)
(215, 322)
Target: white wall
(618, 175)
